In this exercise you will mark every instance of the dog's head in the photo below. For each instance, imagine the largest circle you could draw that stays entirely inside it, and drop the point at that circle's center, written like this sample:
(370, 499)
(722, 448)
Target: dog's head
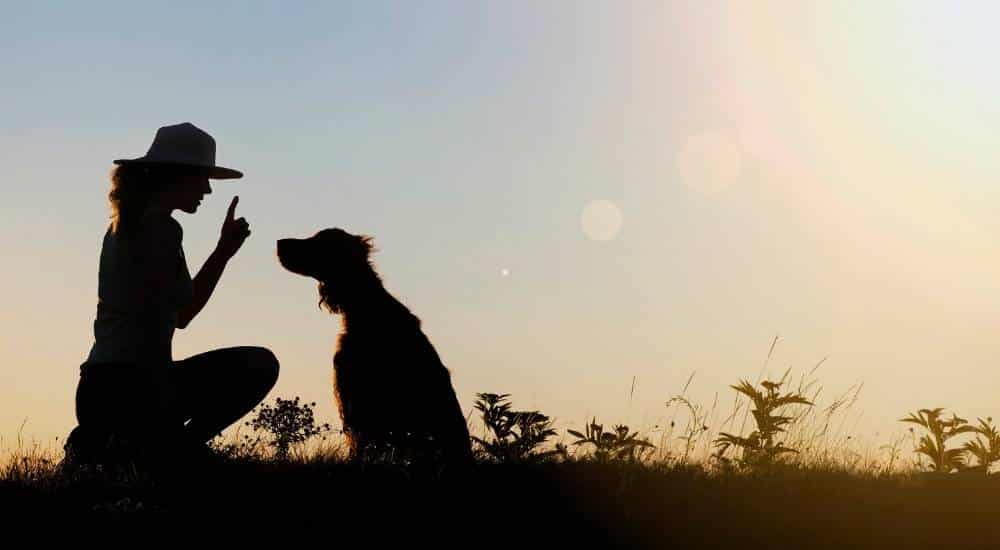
(334, 257)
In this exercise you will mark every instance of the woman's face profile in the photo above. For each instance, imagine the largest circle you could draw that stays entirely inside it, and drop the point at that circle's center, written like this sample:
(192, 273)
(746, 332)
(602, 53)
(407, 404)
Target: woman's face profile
(187, 192)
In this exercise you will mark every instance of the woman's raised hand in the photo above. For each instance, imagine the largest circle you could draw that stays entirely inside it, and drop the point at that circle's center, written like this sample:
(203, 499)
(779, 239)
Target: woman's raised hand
(234, 231)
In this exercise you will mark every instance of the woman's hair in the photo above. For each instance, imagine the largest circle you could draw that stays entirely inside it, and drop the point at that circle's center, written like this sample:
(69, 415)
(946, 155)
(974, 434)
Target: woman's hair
(133, 187)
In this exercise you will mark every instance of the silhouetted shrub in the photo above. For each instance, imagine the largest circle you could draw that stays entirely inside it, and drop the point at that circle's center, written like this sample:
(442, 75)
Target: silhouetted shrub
(513, 436)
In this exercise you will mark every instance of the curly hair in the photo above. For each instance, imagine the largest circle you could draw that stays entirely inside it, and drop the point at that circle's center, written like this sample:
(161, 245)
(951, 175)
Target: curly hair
(356, 271)
(133, 187)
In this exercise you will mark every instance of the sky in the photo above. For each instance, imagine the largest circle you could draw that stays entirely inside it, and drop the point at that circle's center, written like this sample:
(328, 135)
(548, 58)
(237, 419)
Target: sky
(585, 202)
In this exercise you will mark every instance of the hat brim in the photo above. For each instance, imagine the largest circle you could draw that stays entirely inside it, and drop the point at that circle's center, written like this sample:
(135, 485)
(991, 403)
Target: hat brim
(213, 172)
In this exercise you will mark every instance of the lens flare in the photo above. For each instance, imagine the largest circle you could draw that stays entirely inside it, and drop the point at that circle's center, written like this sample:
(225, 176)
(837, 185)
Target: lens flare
(601, 220)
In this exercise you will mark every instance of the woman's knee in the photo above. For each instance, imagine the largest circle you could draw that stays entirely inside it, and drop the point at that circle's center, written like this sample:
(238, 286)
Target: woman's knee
(264, 364)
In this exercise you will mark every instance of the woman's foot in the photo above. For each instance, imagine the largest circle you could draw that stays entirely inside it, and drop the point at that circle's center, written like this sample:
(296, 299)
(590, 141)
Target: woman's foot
(88, 447)
(198, 455)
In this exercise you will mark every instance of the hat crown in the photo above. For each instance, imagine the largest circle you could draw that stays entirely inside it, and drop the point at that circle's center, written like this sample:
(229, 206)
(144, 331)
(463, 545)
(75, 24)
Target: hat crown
(187, 145)
(182, 143)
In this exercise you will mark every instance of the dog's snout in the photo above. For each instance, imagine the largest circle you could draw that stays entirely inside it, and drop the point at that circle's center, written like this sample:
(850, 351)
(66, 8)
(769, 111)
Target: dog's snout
(290, 256)
(286, 246)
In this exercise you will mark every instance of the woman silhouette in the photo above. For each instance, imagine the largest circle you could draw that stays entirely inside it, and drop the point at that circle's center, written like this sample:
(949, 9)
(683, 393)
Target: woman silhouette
(134, 402)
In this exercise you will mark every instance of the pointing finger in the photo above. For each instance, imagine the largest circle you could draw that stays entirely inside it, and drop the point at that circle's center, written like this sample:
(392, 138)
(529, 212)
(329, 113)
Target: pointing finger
(232, 208)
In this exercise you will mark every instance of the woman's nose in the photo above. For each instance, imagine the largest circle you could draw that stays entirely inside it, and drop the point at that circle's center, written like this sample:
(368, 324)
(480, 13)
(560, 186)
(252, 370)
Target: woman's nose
(208, 188)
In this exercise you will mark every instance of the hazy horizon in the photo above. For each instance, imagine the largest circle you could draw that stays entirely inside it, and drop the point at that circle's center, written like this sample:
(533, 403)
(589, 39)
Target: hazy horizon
(570, 195)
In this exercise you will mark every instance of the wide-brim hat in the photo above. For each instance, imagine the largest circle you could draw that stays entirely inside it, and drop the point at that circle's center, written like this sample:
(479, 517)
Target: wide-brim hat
(184, 145)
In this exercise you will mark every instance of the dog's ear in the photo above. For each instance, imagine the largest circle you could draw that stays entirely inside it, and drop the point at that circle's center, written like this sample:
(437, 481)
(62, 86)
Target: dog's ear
(367, 244)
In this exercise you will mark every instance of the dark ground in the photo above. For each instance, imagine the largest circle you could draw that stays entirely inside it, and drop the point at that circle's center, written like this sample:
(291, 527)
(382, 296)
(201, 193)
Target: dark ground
(555, 505)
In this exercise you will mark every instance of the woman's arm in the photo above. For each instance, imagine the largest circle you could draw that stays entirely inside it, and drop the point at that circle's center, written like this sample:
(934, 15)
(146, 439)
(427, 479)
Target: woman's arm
(203, 285)
(234, 232)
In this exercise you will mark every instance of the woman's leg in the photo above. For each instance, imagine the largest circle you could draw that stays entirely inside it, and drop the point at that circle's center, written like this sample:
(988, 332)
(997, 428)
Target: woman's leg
(121, 413)
(216, 388)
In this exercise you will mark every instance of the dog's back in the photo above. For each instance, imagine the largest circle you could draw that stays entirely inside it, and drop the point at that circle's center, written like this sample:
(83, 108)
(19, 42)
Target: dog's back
(392, 387)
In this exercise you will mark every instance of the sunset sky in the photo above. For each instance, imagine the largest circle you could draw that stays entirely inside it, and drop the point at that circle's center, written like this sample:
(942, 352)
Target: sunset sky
(569, 194)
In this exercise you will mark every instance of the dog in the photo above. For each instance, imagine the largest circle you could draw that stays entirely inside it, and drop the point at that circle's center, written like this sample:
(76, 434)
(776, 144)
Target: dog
(394, 394)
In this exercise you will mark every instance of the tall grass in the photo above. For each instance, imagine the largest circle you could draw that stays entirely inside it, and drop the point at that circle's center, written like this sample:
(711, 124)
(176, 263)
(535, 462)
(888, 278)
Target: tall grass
(804, 429)
(667, 486)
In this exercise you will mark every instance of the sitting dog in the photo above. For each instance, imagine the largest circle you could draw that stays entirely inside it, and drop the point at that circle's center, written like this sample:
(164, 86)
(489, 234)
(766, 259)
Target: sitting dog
(394, 394)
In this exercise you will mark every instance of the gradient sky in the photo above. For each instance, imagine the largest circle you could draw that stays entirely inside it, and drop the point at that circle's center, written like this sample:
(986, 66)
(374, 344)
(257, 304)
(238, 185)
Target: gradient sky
(825, 173)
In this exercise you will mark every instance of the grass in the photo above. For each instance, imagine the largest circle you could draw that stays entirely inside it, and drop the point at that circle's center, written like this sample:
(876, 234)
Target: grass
(777, 469)
(571, 501)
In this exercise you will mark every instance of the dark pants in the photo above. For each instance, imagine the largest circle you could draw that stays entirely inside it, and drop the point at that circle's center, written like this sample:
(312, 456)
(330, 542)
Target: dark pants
(195, 398)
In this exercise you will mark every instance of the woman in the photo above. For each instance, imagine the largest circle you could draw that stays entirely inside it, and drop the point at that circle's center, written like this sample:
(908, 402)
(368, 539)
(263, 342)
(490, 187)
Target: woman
(134, 402)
